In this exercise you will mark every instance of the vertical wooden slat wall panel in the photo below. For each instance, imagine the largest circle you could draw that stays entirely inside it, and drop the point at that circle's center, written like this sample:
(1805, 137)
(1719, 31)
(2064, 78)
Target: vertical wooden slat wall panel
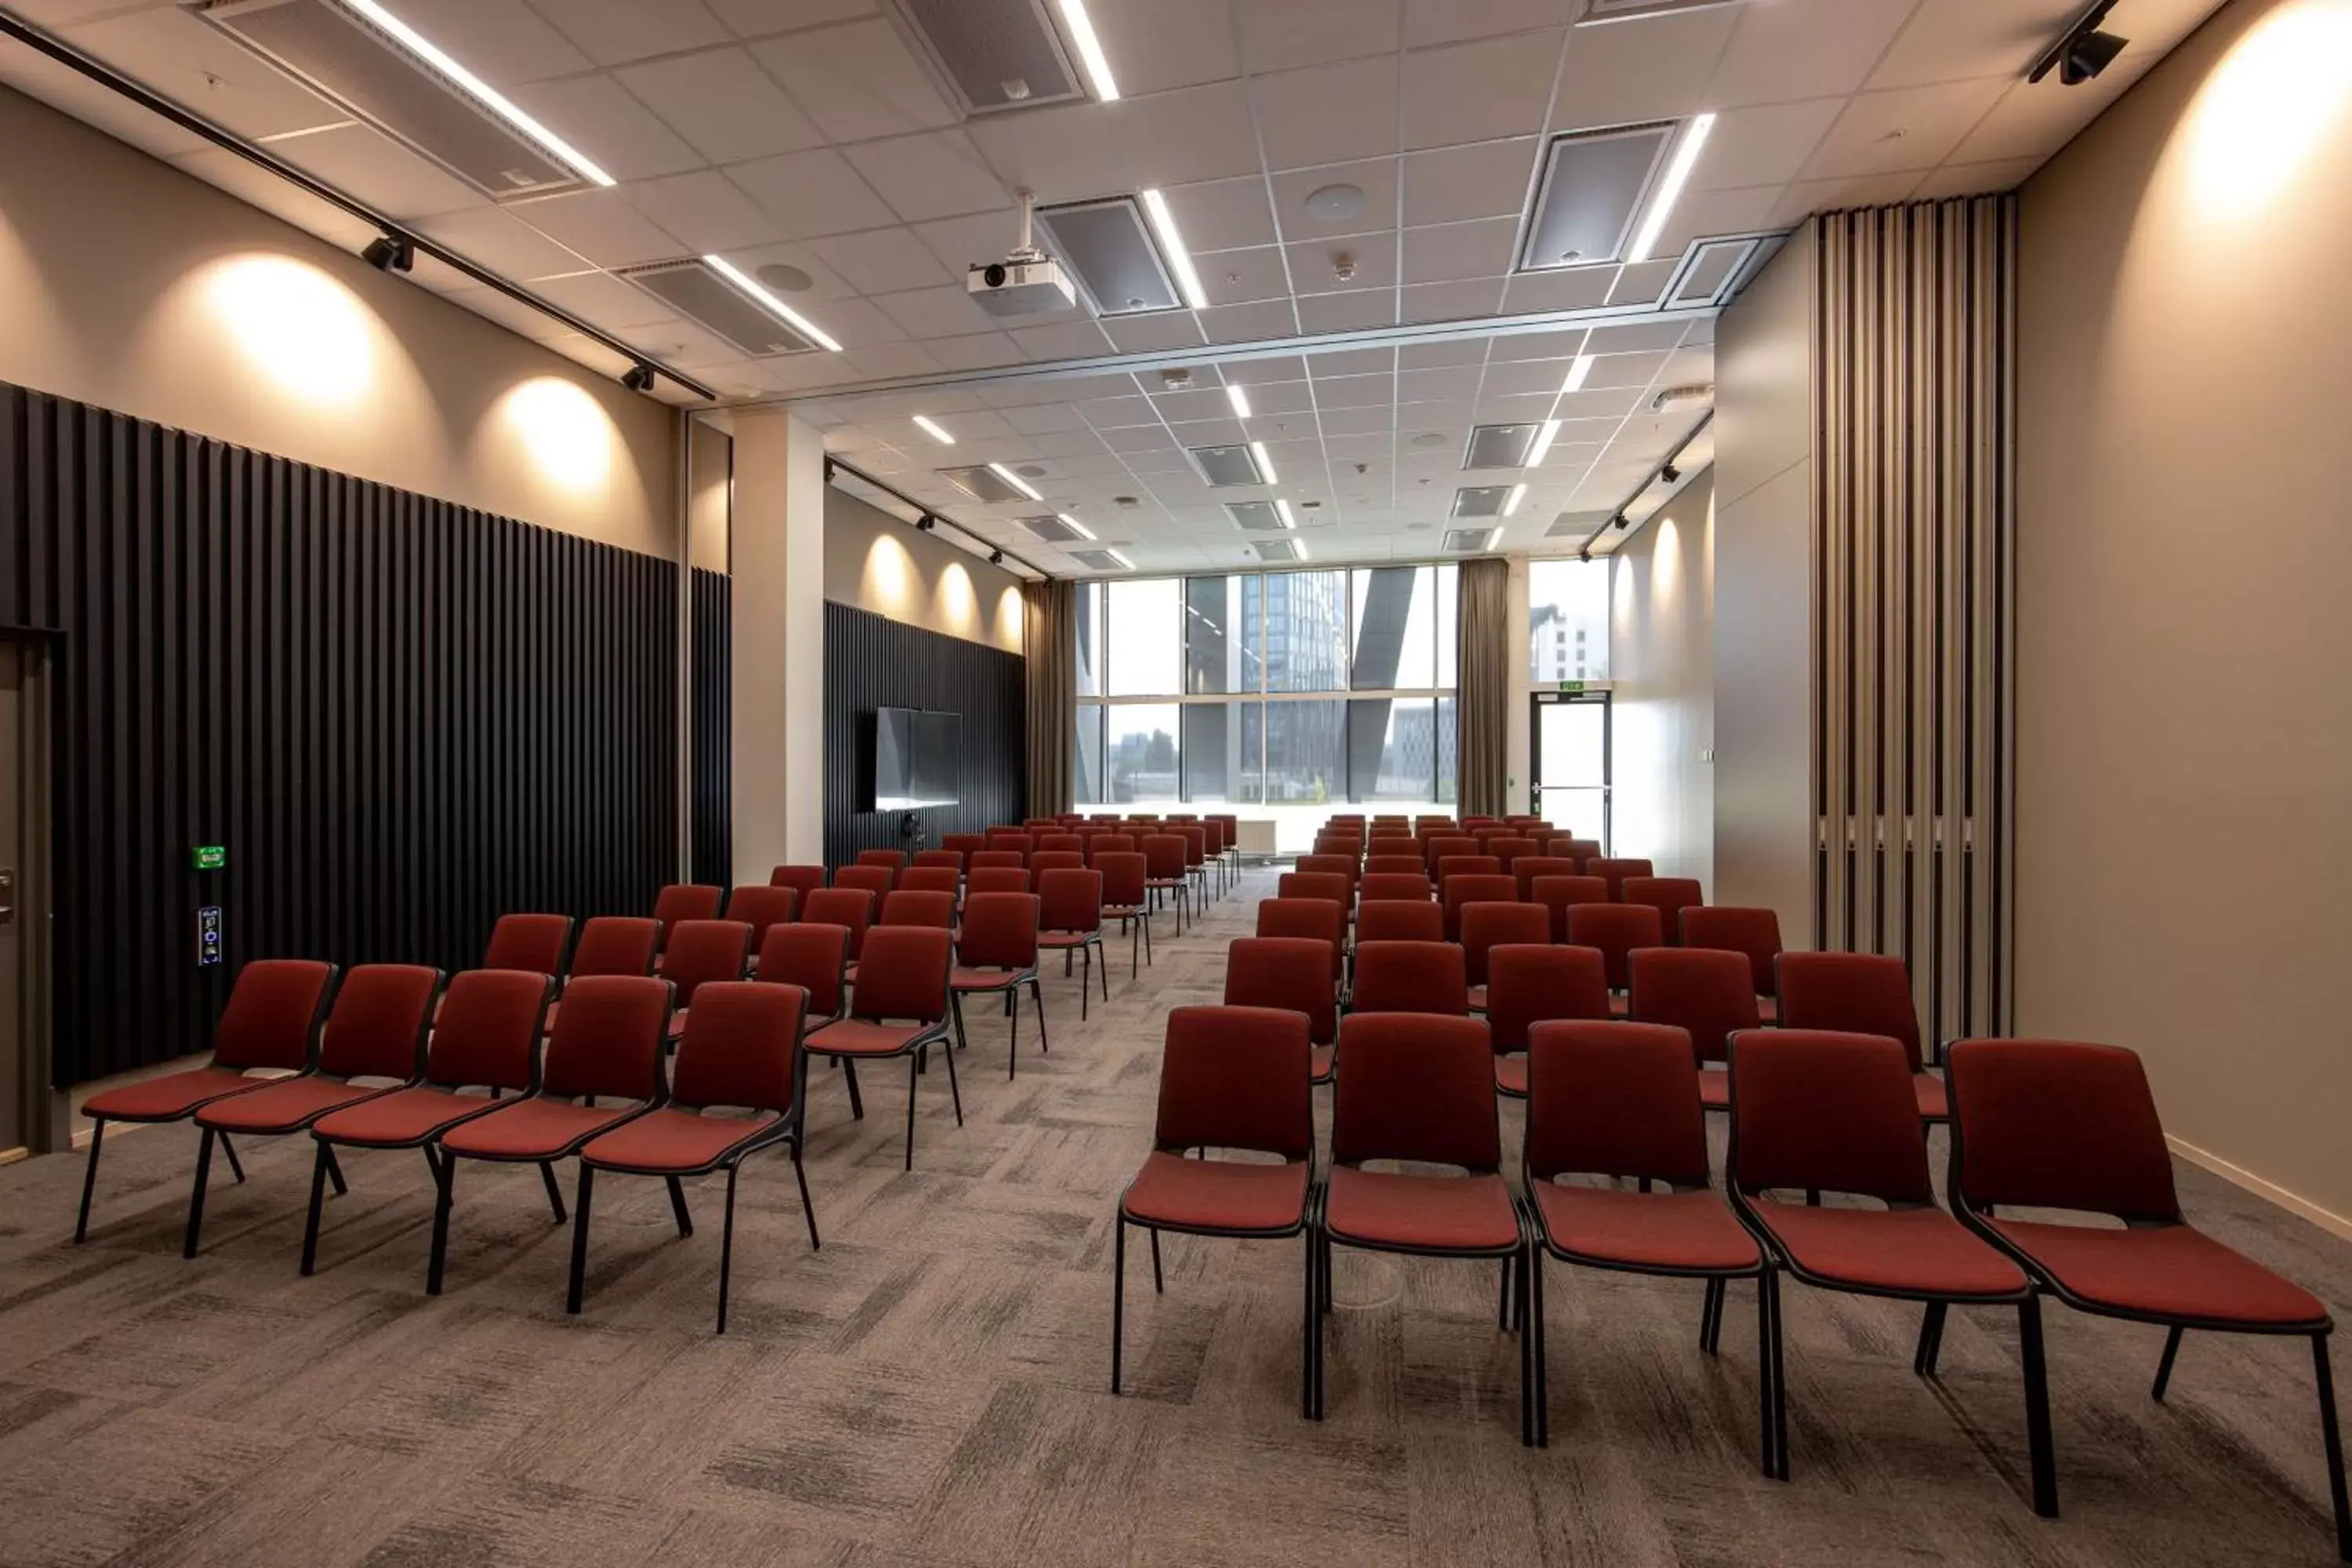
(709, 757)
(872, 662)
(402, 718)
(1914, 519)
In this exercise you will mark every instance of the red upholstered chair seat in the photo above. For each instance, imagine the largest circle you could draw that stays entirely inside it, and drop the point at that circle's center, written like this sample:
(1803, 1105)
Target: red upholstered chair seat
(1671, 1230)
(864, 1037)
(1478, 998)
(1464, 1214)
(1218, 1194)
(673, 1140)
(403, 1117)
(1511, 1076)
(1320, 1060)
(1921, 1251)
(2165, 1271)
(1934, 1103)
(963, 979)
(282, 1106)
(533, 1129)
(171, 1096)
(1714, 1089)
(1060, 939)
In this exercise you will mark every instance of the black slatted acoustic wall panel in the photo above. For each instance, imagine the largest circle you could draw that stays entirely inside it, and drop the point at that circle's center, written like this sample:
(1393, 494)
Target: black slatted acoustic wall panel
(713, 843)
(872, 662)
(402, 718)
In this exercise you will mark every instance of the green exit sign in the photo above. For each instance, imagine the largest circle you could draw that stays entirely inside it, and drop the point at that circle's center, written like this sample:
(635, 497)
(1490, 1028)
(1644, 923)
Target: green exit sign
(211, 857)
(1571, 688)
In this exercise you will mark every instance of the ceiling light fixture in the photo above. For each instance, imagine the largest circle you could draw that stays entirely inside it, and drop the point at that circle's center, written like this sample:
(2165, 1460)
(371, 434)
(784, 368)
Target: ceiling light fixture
(1239, 397)
(1015, 481)
(930, 429)
(1084, 532)
(1282, 511)
(1671, 474)
(1120, 558)
(996, 558)
(925, 522)
(390, 253)
(1298, 549)
(475, 87)
(638, 378)
(1265, 463)
(1670, 189)
(1577, 371)
(1180, 260)
(1090, 50)
(1511, 503)
(1542, 447)
(2084, 52)
(783, 312)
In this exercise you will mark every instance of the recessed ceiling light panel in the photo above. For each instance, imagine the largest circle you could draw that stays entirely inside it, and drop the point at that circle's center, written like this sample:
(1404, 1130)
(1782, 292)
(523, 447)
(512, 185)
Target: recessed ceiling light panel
(1227, 465)
(994, 55)
(1107, 246)
(982, 483)
(1499, 445)
(1480, 500)
(1594, 183)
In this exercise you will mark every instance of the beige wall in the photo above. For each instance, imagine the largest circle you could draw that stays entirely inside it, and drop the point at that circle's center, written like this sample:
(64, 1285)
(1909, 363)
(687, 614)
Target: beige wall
(1662, 664)
(876, 563)
(2184, 653)
(128, 284)
(1763, 611)
(776, 622)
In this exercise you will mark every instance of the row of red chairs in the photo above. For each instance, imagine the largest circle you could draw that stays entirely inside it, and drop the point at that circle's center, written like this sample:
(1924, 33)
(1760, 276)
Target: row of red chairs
(2040, 1125)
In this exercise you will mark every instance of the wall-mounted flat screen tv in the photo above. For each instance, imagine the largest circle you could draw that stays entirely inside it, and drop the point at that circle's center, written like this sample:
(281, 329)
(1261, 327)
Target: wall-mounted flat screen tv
(916, 757)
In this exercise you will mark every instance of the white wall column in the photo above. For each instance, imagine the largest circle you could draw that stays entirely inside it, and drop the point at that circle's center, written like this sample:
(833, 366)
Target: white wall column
(777, 557)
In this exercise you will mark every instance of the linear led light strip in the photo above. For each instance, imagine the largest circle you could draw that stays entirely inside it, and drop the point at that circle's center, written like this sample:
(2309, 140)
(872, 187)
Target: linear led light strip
(783, 312)
(1581, 367)
(1090, 49)
(1265, 463)
(474, 86)
(1282, 511)
(1239, 397)
(930, 428)
(1511, 502)
(1542, 448)
(1122, 560)
(1670, 189)
(1015, 481)
(1083, 531)
(1164, 223)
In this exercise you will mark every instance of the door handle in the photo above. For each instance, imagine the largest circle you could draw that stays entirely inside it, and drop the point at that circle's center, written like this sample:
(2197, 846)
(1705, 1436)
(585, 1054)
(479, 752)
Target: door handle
(7, 895)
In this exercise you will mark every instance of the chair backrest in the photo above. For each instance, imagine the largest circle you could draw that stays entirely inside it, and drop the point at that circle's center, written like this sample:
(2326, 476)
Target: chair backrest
(1528, 867)
(931, 879)
(1507, 847)
(608, 1037)
(802, 880)
(1069, 900)
(1010, 838)
(1485, 925)
(963, 844)
(1616, 930)
(687, 901)
(903, 973)
(1377, 885)
(996, 860)
(762, 906)
(1615, 1099)
(1395, 866)
(1102, 844)
(1814, 1108)
(1854, 993)
(1060, 844)
(1397, 843)
(704, 950)
(918, 907)
(1398, 919)
(1415, 1089)
(741, 1047)
(891, 860)
(1439, 845)
(999, 931)
(1560, 894)
(1451, 866)
(1614, 873)
(1756, 933)
(812, 957)
(1215, 828)
(1292, 972)
(1473, 888)
(1527, 984)
(377, 1026)
(487, 1029)
(1705, 993)
(850, 907)
(1123, 872)
(1579, 850)
(1183, 816)
(1670, 896)
(1235, 1078)
(1345, 865)
(1196, 843)
(535, 942)
(995, 879)
(1164, 855)
(926, 860)
(1321, 919)
(1043, 861)
(615, 944)
(1332, 885)
(875, 879)
(2057, 1124)
(1409, 977)
(271, 1019)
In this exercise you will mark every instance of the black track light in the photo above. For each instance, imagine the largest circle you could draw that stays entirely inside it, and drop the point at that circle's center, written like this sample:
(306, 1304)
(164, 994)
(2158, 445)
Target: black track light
(638, 378)
(1670, 474)
(828, 470)
(1619, 521)
(927, 523)
(996, 558)
(2084, 52)
(390, 253)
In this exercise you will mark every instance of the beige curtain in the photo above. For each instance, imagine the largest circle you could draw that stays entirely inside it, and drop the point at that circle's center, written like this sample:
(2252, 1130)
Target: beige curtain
(1051, 657)
(1482, 678)
(1914, 590)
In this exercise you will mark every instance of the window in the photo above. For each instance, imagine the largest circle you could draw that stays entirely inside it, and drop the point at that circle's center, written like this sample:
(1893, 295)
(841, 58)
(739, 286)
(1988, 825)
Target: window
(1567, 621)
(1140, 751)
(1145, 624)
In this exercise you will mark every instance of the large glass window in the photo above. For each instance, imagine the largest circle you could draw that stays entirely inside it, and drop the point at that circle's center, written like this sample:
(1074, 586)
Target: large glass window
(1140, 751)
(1567, 621)
(1090, 612)
(1145, 625)
(1212, 641)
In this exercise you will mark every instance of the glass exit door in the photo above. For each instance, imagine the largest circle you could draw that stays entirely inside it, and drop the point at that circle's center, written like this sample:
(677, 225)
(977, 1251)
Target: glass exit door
(1571, 770)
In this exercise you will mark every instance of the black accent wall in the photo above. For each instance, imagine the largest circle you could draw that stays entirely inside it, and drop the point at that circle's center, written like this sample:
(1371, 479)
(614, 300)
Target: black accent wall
(401, 717)
(872, 661)
(709, 713)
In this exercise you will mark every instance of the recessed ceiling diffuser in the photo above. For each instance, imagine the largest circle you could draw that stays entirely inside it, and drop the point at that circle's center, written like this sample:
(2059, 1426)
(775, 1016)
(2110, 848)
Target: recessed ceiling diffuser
(1469, 541)
(1480, 500)
(1105, 245)
(1051, 529)
(1593, 183)
(1279, 549)
(699, 292)
(1228, 466)
(1255, 516)
(994, 54)
(1102, 560)
(1499, 445)
(982, 483)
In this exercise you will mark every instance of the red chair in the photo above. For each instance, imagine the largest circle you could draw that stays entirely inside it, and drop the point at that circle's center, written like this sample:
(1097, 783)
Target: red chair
(1756, 933)
(1230, 828)
(1345, 865)
(995, 879)
(1528, 867)
(1292, 973)
(899, 1009)
(1060, 844)
(614, 945)
(699, 952)
(533, 942)
(961, 846)
(918, 907)
(1417, 1090)
(270, 1024)
(1560, 894)
(1485, 925)
(1317, 918)
(1396, 865)
(1703, 993)
(996, 954)
(1165, 871)
(485, 1043)
(1218, 843)
(1044, 860)
(1670, 896)
(1576, 849)
(1101, 843)
(1126, 898)
(931, 879)
(1330, 886)
(1008, 839)
(1409, 977)
(1829, 1112)
(1859, 994)
(1616, 930)
(816, 959)
(1528, 984)
(1380, 885)
(1451, 866)
(1398, 919)
(1453, 892)
(2053, 1124)
(687, 901)
(947, 859)
(891, 860)
(741, 1050)
(1507, 848)
(876, 879)
(762, 906)
(1616, 1101)
(849, 906)
(1069, 919)
(997, 861)
(1615, 873)
(375, 1029)
(801, 879)
(1439, 845)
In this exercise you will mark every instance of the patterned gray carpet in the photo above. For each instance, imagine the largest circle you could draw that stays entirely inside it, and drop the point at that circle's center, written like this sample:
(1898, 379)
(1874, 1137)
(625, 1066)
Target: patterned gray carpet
(931, 1387)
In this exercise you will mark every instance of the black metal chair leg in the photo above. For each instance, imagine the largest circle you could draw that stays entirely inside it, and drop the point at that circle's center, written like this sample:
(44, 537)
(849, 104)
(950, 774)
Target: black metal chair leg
(317, 1199)
(1085, 982)
(2164, 1366)
(89, 1176)
(1307, 1327)
(726, 1244)
(1931, 1340)
(443, 1179)
(677, 1206)
(914, 1079)
(1118, 1295)
(235, 1166)
(1538, 1350)
(2037, 1407)
(1710, 1317)
(1503, 1298)
(955, 1016)
(808, 1208)
(1103, 969)
(196, 1194)
(1159, 1284)
(955, 1089)
(849, 1082)
(335, 1170)
(555, 1192)
(1769, 1361)
(2333, 1439)
(580, 1238)
(1037, 997)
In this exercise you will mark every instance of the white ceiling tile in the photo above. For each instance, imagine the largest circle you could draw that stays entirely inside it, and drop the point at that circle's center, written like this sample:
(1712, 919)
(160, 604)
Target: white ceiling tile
(1355, 392)
(1250, 323)
(1948, 40)
(1222, 215)
(1226, 431)
(1358, 310)
(1065, 153)
(856, 82)
(1377, 360)
(1456, 250)
(596, 114)
(493, 237)
(1431, 385)
(1655, 69)
(501, 41)
(704, 212)
(1448, 302)
(1799, 201)
(1067, 443)
(2035, 120)
(1443, 354)
(1195, 134)
(972, 240)
(1369, 261)
(1514, 378)
(613, 32)
(1476, 92)
(879, 359)
(976, 352)
(1328, 114)
(944, 313)
(1632, 338)
(604, 301)
(812, 194)
(599, 225)
(1614, 371)
(1488, 180)
(1191, 404)
(1281, 35)
(1272, 399)
(682, 343)
(881, 260)
(1560, 289)
(1364, 420)
(854, 324)
(70, 92)
(1376, 178)
(1153, 45)
(1783, 52)
(1975, 179)
(1446, 21)
(936, 174)
(187, 61)
(1907, 128)
(723, 104)
(360, 162)
(524, 320)
(1701, 213)
(1762, 146)
(1062, 340)
(1238, 277)
(1053, 418)
(1132, 439)
(1641, 282)
(757, 18)
(1564, 344)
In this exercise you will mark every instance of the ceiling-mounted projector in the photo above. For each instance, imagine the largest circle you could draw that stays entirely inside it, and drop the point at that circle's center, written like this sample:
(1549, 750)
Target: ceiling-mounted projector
(1027, 282)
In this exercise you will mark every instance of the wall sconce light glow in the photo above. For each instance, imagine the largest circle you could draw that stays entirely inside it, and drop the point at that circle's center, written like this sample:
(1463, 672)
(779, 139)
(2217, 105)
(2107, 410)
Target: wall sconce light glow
(1578, 369)
(930, 429)
(1015, 481)
(1180, 260)
(563, 429)
(2270, 106)
(1082, 531)
(475, 87)
(1265, 463)
(296, 326)
(1090, 49)
(769, 302)
(1282, 511)
(890, 574)
(1511, 503)
(1542, 447)
(1670, 189)
(959, 603)
(1666, 563)
(1239, 397)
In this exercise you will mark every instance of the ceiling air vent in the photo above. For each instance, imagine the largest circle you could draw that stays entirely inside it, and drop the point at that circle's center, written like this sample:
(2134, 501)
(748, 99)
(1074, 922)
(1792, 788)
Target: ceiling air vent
(1256, 516)
(982, 484)
(341, 56)
(1499, 445)
(1708, 271)
(1598, 11)
(1228, 465)
(1107, 246)
(1468, 541)
(694, 291)
(1480, 500)
(1276, 548)
(1593, 183)
(1102, 560)
(1051, 530)
(994, 54)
